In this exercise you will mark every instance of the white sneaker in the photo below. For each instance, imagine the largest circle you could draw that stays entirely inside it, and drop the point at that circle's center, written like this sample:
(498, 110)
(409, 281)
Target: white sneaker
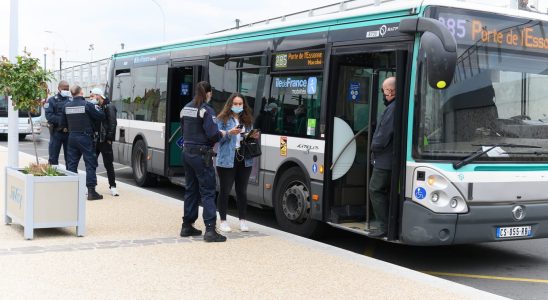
(114, 191)
(224, 227)
(243, 226)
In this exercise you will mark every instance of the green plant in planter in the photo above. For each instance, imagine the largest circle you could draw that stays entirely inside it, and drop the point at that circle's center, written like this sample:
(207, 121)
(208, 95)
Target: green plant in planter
(26, 82)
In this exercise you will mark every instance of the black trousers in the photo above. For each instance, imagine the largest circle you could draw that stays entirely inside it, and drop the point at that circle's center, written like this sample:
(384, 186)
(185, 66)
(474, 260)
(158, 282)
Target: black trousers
(105, 149)
(239, 174)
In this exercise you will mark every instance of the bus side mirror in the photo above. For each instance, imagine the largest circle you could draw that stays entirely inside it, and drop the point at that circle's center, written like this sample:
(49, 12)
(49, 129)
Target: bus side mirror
(438, 49)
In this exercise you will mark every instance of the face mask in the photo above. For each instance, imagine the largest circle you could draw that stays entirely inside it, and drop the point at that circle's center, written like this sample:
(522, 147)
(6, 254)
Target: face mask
(94, 101)
(66, 94)
(237, 109)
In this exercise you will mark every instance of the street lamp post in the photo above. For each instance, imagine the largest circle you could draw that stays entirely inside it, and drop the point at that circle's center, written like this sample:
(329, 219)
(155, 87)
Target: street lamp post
(91, 48)
(163, 17)
(53, 48)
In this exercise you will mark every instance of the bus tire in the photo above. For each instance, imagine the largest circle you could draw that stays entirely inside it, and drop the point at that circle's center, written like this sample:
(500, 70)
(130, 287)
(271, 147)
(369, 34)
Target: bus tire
(139, 165)
(292, 204)
(22, 136)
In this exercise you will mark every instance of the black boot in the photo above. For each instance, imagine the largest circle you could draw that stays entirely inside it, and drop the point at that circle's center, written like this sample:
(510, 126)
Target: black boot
(212, 236)
(189, 230)
(93, 195)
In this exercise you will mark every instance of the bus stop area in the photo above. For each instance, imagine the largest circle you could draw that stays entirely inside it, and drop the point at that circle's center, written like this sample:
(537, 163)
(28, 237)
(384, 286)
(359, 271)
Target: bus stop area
(132, 250)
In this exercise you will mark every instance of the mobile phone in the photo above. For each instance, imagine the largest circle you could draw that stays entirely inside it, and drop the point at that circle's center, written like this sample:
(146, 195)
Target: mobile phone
(240, 126)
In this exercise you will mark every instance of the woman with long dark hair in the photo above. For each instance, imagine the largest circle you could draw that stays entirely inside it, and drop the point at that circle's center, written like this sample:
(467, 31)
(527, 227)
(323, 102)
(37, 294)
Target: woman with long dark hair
(236, 118)
(200, 133)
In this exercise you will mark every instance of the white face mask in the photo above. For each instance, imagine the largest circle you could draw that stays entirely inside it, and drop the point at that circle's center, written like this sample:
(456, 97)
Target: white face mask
(66, 94)
(94, 101)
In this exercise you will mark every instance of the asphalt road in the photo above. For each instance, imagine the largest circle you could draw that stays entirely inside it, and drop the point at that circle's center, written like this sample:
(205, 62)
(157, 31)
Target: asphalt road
(514, 269)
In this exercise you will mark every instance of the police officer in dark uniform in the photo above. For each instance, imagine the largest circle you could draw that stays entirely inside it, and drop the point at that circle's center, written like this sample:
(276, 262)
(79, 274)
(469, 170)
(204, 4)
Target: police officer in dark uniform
(79, 118)
(200, 133)
(54, 108)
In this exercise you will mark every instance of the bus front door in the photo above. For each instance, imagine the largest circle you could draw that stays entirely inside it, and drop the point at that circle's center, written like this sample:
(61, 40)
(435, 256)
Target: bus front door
(357, 104)
(181, 82)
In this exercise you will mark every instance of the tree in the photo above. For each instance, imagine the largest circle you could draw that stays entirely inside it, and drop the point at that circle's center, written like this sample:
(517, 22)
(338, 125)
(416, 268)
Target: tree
(26, 82)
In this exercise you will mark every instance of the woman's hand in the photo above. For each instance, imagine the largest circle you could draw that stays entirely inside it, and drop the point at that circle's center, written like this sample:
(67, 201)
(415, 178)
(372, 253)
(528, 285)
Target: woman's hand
(234, 131)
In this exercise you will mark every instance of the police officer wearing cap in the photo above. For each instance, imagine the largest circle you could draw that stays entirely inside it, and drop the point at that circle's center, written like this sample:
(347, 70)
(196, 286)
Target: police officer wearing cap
(54, 108)
(200, 133)
(79, 118)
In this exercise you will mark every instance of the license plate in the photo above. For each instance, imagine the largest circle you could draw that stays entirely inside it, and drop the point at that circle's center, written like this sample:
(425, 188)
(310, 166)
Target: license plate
(518, 231)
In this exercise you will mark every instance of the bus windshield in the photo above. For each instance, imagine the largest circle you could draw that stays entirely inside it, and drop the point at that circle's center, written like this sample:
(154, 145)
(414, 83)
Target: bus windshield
(499, 95)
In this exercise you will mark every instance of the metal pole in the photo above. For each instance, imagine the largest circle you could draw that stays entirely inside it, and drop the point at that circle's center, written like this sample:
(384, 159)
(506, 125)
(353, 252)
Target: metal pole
(13, 126)
(163, 17)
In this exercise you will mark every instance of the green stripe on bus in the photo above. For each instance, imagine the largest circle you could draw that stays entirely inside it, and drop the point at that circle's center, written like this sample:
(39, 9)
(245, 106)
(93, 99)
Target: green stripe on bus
(352, 22)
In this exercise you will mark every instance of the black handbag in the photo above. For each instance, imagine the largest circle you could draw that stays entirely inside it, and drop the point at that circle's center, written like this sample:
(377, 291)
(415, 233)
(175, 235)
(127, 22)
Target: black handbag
(250, 148)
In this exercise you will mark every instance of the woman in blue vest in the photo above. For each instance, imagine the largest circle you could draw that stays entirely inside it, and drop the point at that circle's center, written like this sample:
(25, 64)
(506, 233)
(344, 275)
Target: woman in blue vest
(232, 167)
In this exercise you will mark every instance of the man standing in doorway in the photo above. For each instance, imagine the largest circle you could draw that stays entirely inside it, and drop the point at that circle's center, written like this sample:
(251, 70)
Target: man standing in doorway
(55, 109)
(381, 158)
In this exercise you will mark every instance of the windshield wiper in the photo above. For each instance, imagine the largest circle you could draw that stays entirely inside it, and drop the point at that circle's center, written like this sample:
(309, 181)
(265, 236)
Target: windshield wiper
(480, 152)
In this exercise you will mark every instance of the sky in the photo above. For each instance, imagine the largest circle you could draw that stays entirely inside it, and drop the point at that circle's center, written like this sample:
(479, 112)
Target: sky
(67, 28)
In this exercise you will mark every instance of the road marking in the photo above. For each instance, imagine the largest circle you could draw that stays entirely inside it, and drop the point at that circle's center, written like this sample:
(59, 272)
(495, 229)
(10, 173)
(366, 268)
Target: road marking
(487, 277)
(104, 172)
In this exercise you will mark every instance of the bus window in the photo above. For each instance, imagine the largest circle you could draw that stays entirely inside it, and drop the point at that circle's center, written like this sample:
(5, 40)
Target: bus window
(297, 99)
(122, 92)
(216, 71)
(145, 94)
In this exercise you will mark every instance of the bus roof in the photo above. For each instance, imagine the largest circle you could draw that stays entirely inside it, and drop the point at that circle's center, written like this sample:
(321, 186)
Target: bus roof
(400, 7)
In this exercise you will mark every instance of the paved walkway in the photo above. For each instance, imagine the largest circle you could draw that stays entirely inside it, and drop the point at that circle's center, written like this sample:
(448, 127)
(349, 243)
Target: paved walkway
(132, 251)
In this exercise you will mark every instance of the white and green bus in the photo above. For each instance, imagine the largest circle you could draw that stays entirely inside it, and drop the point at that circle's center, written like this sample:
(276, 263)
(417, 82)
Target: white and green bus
(471, 139)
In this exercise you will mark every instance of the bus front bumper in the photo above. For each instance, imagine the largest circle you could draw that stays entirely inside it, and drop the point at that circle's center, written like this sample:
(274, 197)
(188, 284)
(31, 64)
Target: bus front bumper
(421, 226)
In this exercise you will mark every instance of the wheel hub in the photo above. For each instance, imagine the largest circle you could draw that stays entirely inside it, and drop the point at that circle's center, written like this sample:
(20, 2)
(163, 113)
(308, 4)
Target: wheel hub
(295, 203)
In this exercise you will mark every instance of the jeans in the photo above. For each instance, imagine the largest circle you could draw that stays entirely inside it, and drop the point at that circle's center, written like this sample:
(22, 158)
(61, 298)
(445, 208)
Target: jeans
(227, 176)
(379, 189)
(199, 185)
(81, 144)
(105, 149)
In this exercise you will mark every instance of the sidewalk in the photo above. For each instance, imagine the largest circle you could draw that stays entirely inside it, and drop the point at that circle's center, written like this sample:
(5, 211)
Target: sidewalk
(132, 251)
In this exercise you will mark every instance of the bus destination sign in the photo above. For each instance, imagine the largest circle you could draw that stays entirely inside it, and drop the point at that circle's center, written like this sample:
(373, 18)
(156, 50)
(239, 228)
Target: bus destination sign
(312, 59)
(497, 31)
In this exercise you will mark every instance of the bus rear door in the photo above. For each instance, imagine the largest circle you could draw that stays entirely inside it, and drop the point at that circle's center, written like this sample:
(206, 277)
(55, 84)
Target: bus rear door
(182, 78)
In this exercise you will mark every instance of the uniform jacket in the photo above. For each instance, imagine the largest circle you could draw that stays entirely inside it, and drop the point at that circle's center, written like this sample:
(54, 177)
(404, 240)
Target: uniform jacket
(54, 108)
(227, 145)
(382, 145)
(80, 115)
(198, 125)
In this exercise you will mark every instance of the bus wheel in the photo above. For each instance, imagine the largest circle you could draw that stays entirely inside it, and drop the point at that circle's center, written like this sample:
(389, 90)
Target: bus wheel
(139, 165)
(22, 136)
(292, 204)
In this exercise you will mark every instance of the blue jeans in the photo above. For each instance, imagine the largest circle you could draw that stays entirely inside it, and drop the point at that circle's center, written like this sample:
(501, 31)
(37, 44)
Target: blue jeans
(81, 144)
(56, 140)
(200, 185)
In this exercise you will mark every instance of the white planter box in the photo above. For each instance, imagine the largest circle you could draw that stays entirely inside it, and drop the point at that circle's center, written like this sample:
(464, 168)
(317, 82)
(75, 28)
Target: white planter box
(45, 201)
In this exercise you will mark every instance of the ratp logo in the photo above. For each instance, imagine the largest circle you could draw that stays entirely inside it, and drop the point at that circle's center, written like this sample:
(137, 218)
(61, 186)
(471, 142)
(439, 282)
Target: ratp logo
(382, 30)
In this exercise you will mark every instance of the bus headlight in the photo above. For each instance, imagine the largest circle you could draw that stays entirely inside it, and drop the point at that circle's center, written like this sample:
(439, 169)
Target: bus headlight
(434, 191)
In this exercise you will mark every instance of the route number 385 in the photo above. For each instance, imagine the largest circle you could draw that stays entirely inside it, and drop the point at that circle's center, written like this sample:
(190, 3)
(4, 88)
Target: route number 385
(457, 27)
